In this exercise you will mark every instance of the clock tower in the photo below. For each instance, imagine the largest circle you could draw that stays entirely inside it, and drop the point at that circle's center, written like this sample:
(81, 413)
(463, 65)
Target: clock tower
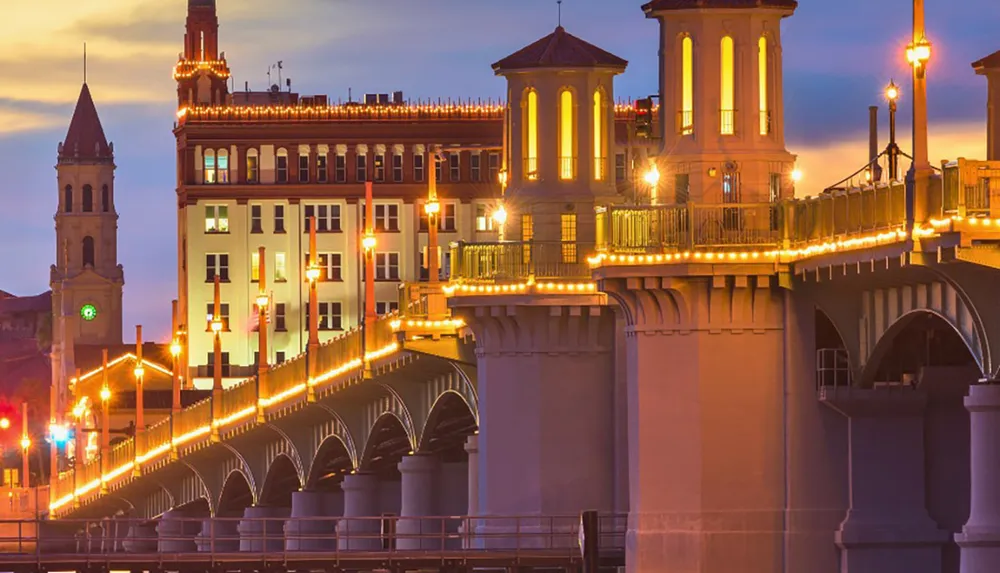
(86, 279)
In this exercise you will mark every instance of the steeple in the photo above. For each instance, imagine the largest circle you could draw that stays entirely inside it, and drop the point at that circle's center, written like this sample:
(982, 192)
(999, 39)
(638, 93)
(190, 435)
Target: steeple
(201, 72)
(85, 139)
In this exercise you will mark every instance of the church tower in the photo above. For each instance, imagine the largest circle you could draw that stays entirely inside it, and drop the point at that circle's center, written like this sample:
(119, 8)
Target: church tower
(86, 279)
(202, 73)
(722, 109)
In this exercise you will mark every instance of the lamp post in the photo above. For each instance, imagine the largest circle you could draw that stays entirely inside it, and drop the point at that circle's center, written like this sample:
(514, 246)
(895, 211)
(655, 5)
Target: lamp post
(25, 446)
(892, 95)
(312, 275)
(500, 218)
(368, 243)
(918, 53)
(175, 352)
(432, 208)
(216, 325)
(140, 420)
(652, 178)
(105, 422)
(263, 301)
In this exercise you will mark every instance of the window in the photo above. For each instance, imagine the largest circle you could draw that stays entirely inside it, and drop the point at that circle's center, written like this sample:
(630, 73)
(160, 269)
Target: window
(327, 218)
(321, 175)
(253, 166)
(208, 173)
(303, 169)
(531, 136)
(362, 168)
(68, 199)
(330, 316)
(216, 219)
(455, 167)
(446, 218)
(765, 114)
(621, 172)
(731, 187)
(380, 167)
(387, 218)
(682, 188)
(279, 218)
(494, 167)
(727, 113)
(279, 324)
(255, 266)
(224, 365)
(527, 234)
(105, 199)
(280, 270)
(281, 174)
(223, 315)
(216, 264)
(280, 355)
(600, 128)
(88, 199)
(222, 161)
(397, 168)
(383, 308)
(88, 251)
(567, 132)
(340, 169)
(329, 265)
(568, 237)
(418, 167)
(387, 266)
(484, 222)
(256, 226)
(475, 173)
(686, 119)
(438, 169)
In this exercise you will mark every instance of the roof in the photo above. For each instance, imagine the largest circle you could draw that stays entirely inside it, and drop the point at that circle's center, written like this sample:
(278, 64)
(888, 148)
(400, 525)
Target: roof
(17, 304)
(85, 138)
(88, 357)
(560, 49)
(990, 62)
(201, 4)
(660, 5)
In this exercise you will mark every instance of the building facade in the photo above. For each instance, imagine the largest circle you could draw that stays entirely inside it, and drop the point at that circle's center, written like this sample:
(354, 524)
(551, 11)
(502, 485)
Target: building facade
(254, 166)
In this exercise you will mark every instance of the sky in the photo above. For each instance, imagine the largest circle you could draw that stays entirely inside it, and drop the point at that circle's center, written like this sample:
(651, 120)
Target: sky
(838, 56)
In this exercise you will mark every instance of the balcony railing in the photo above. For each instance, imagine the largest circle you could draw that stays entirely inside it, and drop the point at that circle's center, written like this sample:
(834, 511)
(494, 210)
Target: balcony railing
(516, 261)
(567, 168)
(531, 168)
(765, 122)
(727, 121)
(968, 188)
(685, 122)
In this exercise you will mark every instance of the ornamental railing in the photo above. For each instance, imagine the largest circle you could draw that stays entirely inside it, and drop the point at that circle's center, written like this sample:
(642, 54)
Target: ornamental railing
(514, 261)
(971, 188)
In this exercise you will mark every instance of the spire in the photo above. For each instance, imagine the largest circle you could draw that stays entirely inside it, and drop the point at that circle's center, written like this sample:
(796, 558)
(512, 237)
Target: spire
(85, 138)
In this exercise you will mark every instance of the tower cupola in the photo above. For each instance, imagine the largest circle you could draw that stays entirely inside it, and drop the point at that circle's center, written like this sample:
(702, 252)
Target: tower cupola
(202, 73)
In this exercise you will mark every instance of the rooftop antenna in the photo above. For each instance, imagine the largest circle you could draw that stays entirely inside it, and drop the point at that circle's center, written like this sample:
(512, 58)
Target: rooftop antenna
(559, 4)
(279, 71)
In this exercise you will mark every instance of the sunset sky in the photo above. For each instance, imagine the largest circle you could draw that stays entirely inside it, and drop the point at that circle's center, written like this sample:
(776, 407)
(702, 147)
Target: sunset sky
(838, 56)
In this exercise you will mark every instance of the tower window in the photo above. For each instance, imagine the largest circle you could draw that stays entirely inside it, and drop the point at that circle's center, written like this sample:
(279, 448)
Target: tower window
(567, 131)
(222, 163)
(531, 137)
(68, 199)
(253, 166)
(765, 112)
(105, 199)
(600, 128)
(88, 199)
(686, 119)
(88, 251)
(397, 168)
(208, 174)
(327, 218)
(567, 233)
(418, 167)
(727, 115)
(281, 166)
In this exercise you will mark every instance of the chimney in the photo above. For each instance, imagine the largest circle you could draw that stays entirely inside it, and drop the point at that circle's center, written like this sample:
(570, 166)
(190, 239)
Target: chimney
(873, 143)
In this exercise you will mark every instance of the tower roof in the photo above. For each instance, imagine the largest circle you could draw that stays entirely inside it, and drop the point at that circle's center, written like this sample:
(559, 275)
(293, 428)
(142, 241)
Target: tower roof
(201, 4)
(990, 62)
(560, 49)
(660, 5)
(85, 138)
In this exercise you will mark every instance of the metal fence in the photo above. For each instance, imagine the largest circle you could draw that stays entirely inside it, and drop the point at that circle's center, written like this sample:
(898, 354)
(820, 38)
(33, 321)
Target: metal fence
(513, 261)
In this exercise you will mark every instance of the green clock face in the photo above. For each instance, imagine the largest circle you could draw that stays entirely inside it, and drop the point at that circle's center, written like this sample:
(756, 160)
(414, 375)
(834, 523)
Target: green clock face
(88, 312)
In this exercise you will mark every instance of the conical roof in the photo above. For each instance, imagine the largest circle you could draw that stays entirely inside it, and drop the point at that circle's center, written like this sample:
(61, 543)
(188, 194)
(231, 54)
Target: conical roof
(560, 49)
(85, 138)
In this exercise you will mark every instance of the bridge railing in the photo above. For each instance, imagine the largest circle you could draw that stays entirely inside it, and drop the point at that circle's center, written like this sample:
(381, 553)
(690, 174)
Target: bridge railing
(158, 437)
(971, 188)
(237, 400)
(193, 421)
(337, 352)
(513, 261)
(844, 213)
(122, 453)
(283, 378)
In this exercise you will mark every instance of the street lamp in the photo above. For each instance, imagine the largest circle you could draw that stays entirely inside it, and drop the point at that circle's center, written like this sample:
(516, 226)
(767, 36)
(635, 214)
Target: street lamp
(500, 218)
(796, 175)
(918, 54)
(4, 423)
(652, 178)
(892, 96)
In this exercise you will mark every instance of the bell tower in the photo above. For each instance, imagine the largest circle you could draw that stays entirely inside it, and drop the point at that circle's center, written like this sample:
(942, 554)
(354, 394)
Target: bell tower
(722, 110)
(560, 134)
(202, 73)
(86, 279)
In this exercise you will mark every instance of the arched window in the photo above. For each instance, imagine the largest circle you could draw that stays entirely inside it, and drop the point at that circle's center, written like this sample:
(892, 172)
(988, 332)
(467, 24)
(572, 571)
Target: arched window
(727, 113)
(567, 156)
(765, 112)
(203, 58)
(105, 199)
(687, 86)
(222, 166)
(88, 199)
(281, 166)
(68, 199)
(88, 251)
(253, 166)
(531, 136)
(209, 171)
(600, 129)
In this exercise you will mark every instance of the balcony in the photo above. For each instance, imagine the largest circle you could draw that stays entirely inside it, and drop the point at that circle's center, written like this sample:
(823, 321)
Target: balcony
(531, 168)
(567, 168)
(968, 190)
(685, 122)
(727, 121)
(510, 262)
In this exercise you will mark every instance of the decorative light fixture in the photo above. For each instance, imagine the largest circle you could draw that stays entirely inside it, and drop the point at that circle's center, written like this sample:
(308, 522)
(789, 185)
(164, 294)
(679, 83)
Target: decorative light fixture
(25, 442)
(262, 300)
(432, 207)
(4, 423)
(796, 175)
(368, 242)
(105, 394)
(892, 91)
(139, 371)
(175, 348)
(652, 176)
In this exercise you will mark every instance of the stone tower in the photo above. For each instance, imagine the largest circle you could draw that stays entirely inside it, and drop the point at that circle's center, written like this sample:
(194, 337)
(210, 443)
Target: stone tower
(86, 279)
(560, 132)
(723, 123)
(202, 73)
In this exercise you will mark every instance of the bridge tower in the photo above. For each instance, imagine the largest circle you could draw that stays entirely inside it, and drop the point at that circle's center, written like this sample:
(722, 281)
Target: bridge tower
(722, 112)
(202, 73)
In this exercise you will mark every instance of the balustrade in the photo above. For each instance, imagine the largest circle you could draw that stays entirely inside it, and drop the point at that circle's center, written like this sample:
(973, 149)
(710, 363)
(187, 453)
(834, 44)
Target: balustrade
(967, 188)
(158, 439)
(517, 261)
(340, 352)
(239, 401)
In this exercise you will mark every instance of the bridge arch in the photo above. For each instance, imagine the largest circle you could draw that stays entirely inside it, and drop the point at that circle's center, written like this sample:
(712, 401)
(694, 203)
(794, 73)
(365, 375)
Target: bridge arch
(332, 461)
(282, 479)
(835, 364)
(237, 494)
(451, 417)
(388, 440)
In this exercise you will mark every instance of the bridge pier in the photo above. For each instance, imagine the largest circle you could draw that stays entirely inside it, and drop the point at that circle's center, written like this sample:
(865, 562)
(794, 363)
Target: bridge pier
(468, 528)
(263, 528)
(360, 528)
(307, 530)
(980, 537)
(419, 498)
(219, 535)
(176, 531)
(141, 538)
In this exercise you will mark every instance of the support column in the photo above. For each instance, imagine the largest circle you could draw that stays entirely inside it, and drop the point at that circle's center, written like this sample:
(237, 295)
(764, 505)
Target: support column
(419, 499)
(980, 537)
(313, 522)
(219, 535)
(887, 526)
(177, 531)
(546, 399)
(361, 525)
(468, 529)
(141, 538)
(263, 528)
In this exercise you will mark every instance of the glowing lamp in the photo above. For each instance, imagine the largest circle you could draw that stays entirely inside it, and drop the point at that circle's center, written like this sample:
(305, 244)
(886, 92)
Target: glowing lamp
(79, 410)
(368, 243)
(433, 207)
(138, 371)
(175, 349)
(502, 178)
(500, 215)
(262, 301)
(58, 433)
(918, 53)
(25, 443)
(4, 423)
(652, 177)
(312, 273)
(796, 175)
(892, 92)
(105, 394)
(217, 326)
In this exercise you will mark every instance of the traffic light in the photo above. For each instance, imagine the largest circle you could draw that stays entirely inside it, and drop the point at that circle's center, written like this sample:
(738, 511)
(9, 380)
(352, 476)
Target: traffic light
(644, 118)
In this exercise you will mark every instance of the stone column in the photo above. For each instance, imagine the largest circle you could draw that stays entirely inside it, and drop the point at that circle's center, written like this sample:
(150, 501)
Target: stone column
(361, 525)
(141, 538)
(468, 528)
(887, 526)
(177, 531)
(219, 535)
(546, 378)
(980, 537)
(263, 528)
(304, 531)
(419, 498)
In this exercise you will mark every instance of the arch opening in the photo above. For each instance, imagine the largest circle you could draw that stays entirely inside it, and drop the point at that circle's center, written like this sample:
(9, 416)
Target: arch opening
(331, 464)
(833, 364)
(195, 508)
(88, 199)
(450, 422)
(387, 444)
(88, 251)
(105, 199)
(919, 340)
(68, 199)
(236, 496)
(281, 482)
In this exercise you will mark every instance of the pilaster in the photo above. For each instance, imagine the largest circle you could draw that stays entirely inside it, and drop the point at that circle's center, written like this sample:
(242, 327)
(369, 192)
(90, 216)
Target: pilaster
(980, 537)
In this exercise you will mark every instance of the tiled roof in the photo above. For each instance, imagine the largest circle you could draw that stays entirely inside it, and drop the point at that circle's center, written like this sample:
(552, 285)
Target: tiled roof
(15, 304)
(85, 138)
(560, 49)
(658, 5)
(989, 62)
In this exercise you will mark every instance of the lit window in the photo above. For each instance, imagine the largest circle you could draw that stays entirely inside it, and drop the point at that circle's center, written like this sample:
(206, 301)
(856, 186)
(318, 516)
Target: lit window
(216, 219)
(527, 234)
(531, 137)
(216, 264)
(387, 266)
(567, 157)
(727, 113)
(600, 128)
(222, 161)
(208, 171)
(447, 218)
(568, 237)
(255, 267)
(765, 114)
(484, 222)
(253, 166)
(280, 269)
(687, 86)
